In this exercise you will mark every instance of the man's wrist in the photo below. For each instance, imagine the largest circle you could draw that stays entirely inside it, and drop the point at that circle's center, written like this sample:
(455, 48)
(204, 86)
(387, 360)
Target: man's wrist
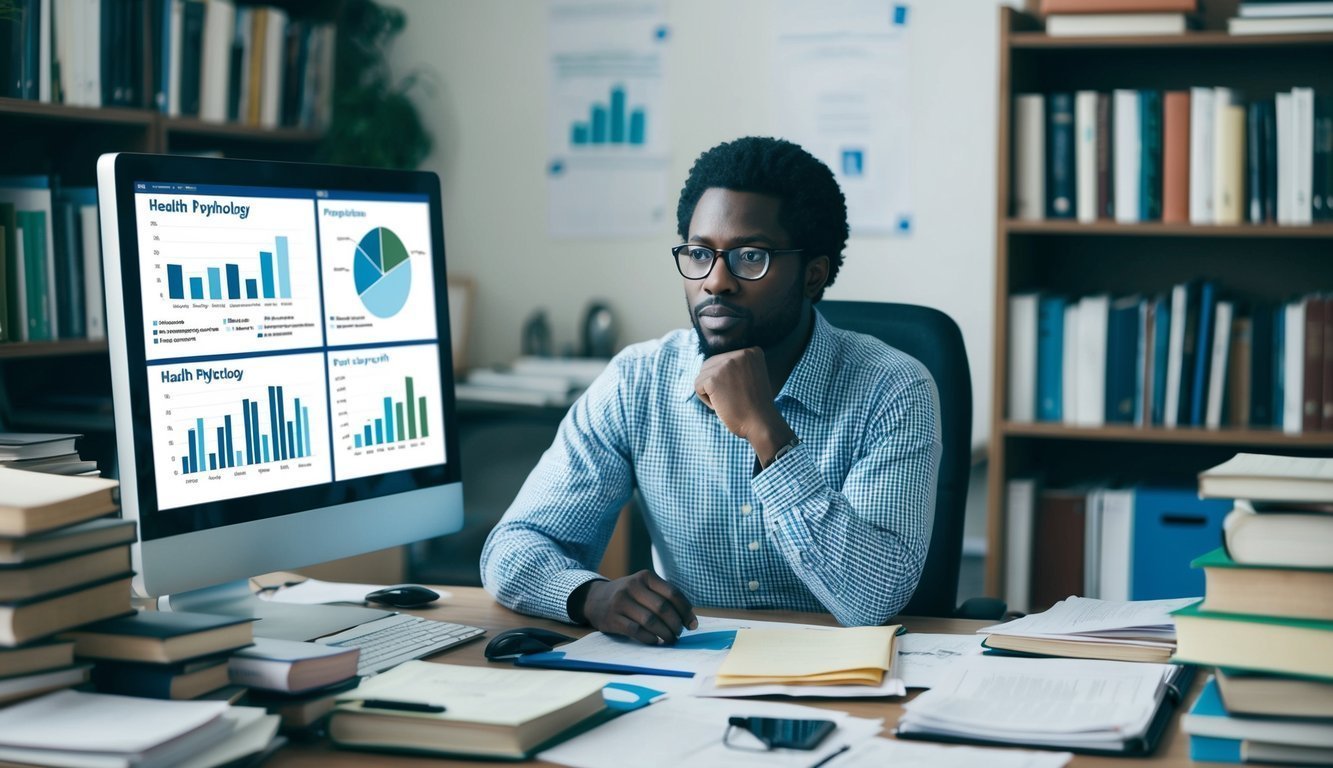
(770, 441)
(578, 600)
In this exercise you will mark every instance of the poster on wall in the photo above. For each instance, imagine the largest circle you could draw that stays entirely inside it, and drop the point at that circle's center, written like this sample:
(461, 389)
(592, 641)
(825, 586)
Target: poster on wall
(841, 91)
(608, 159)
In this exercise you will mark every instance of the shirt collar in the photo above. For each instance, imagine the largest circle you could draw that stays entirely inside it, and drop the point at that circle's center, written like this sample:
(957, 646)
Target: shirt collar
(809, 381)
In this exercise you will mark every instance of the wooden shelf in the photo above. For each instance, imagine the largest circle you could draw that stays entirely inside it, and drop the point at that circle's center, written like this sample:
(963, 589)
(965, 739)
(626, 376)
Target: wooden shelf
(64, 113)
(1189, 40)
(26, 349)
(193, 126)
(1158, 229)
(1268, 438)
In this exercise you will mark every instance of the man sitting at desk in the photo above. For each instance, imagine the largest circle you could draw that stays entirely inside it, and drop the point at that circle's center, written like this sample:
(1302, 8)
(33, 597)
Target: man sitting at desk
(816, 499)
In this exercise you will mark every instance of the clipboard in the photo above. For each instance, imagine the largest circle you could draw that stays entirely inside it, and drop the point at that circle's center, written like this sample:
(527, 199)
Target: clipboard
(1141, 746)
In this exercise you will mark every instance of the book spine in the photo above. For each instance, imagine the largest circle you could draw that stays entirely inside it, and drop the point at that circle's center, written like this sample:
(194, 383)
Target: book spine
(1150, 162)
(1086, 141)
(1160, 347)
(34, 255)
(1118, 6)
(1022, 357)
(1057, 554)
(1029, 156)
(1313, 389)
(1069, 367)
(1286, 157)
(1323, 141)
(1261, 366)
(1121, 345)
(1254, 158)
(90, 242)
(1293, 367)
(1302, 100)
(1270, 162)
(192, 48)
(1060, 188)
(1279, 403)
(1229, 165)
(1050, 357)
(1093, 316)
(1237, 400)
(1203, 346)
(1218, 362)
(1201, 155)
(1326, 417)
(1176, 157)
(1105, 169)
(1189, 349)
(1143, 357)
(1128, 156)
(1020, 503)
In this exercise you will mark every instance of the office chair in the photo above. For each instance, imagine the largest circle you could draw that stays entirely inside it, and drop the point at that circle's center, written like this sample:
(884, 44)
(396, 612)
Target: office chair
(933, 338)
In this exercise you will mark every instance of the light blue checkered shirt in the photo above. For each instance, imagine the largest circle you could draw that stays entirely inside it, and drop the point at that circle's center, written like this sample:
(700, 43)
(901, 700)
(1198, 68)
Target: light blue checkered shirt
(840, 524)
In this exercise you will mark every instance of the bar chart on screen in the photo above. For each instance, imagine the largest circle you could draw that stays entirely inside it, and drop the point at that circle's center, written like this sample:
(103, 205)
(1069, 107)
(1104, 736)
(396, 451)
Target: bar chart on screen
(236, 427)
(386, 405)
(378, 276)
(222, 275)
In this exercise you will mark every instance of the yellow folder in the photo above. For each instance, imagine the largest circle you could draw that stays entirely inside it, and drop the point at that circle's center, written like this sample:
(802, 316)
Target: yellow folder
(834, 656)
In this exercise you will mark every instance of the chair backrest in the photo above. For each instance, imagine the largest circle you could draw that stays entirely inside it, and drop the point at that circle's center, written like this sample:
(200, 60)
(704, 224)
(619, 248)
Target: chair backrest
(933, 338)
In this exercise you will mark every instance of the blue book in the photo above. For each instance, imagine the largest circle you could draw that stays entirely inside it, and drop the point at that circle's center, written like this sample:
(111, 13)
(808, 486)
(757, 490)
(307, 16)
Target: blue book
(1050, 358)
(1279, 362)
(1161, 342)
(1203, 353)
(1171, 526)
(1209, 718)
(1210, 749)
(1150, 155)
(1122, 346)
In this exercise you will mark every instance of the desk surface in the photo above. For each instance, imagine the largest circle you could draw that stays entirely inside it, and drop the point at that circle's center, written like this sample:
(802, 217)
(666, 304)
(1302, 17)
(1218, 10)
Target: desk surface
(472, 605)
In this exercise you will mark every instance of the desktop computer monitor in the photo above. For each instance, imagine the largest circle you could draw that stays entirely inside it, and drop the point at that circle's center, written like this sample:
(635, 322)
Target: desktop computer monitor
(280, 359)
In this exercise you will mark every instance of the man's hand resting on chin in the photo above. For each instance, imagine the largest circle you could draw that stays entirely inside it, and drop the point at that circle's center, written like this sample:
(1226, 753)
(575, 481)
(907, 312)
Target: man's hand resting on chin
(641, 606)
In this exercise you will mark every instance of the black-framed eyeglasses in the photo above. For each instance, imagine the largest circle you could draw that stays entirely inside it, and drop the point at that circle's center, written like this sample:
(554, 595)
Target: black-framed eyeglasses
(695, 262)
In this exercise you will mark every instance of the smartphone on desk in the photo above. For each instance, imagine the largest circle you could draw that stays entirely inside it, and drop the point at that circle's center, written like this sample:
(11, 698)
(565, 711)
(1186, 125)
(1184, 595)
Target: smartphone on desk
(785, 733)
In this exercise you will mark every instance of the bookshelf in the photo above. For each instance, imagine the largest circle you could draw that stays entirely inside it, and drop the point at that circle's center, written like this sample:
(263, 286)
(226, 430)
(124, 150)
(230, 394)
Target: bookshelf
(1253, 262)
(64, 385)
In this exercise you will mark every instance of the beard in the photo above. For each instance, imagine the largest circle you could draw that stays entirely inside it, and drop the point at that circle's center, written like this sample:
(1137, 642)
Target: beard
(764, 331)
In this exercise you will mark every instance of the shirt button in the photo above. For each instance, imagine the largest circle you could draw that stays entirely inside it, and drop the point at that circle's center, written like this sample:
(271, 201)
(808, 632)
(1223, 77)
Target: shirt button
(754, 545)
(754, 586)
(746, 509)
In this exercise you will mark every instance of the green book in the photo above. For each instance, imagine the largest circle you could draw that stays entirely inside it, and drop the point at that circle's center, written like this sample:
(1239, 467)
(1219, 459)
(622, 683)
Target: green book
(1219, 558)
(33, 225)
(1256, 643)
(12, 321)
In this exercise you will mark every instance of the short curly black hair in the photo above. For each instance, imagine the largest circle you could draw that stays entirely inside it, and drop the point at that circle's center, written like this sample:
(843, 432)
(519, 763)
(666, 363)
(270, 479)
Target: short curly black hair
(814, 211)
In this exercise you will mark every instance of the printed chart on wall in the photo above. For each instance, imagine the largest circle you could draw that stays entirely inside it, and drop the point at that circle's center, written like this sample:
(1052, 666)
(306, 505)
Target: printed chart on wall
(237, 427)
(378, 281)
(386, 409)
(608, 165)
(225, 273)
(841, 78)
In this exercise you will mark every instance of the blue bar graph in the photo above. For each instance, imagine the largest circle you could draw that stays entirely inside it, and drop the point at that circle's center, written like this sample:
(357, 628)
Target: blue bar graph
(275, 276)
(611, 122)
(404, 419)
(290, 436)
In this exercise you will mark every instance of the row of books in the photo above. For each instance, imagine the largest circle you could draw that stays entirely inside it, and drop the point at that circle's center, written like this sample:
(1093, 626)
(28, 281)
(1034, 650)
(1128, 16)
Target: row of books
(1103, 542)
(1175, 17)
(1266, 620)
(50, 261)
(207, 59)
(1191, 358)
(1199, 156)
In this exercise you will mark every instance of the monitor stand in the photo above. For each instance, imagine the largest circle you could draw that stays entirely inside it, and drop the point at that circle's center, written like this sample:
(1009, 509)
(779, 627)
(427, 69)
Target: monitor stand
(283, 621)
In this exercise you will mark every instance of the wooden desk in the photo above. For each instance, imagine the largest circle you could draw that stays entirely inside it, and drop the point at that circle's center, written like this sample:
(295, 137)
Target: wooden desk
(472, 605)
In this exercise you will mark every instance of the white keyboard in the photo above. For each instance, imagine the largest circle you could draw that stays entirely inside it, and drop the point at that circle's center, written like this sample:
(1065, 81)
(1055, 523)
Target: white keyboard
(388, 642)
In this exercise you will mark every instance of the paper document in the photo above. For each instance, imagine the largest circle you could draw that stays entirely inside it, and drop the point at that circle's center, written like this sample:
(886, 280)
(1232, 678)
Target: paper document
(924, 659)
(688, 731)
(1044, 696)
(252, 730)
(698, 651)
(316, 592)
(890, 685)
(1083, 615)
(95, 722)
(878, 753)
(833, 655)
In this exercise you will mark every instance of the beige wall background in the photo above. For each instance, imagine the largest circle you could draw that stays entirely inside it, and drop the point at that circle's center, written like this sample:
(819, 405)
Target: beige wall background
(487, 110)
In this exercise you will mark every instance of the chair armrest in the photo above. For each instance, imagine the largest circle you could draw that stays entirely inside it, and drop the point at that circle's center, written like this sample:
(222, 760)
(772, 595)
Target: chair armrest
(986, 608)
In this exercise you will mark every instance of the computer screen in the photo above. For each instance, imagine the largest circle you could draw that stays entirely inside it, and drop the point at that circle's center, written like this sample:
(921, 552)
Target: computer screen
(280, 361)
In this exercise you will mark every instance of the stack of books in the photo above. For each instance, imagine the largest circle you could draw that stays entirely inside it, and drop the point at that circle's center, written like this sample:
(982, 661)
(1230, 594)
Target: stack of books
(62, 564)
(50, 453)
(162, 654)
(1282, 17)
(295, 681)
(1083, 628)
(1065, 18)
(1266, 621)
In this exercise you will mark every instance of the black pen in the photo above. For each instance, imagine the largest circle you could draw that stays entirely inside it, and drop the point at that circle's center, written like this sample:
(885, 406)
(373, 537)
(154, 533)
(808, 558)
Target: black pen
(829, 757)
(401, 706)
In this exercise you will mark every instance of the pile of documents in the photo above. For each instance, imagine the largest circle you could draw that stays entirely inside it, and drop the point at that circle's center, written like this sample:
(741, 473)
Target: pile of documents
(834, 656)
(1083, 628)
(1084, 705)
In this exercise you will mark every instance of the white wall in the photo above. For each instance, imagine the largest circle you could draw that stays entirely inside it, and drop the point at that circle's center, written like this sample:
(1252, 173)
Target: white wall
(487, 112)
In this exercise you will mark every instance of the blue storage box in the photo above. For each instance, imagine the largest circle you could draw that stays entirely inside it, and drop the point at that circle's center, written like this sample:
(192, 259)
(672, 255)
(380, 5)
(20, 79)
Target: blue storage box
(1171, 528)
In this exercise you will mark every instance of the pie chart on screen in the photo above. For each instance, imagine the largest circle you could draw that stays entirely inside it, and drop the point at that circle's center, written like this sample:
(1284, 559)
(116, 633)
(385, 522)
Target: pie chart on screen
(382, 272)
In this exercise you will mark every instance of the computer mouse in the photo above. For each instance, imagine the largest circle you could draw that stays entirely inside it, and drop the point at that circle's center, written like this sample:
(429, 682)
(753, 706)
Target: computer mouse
(516, 642)
(403, 596)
